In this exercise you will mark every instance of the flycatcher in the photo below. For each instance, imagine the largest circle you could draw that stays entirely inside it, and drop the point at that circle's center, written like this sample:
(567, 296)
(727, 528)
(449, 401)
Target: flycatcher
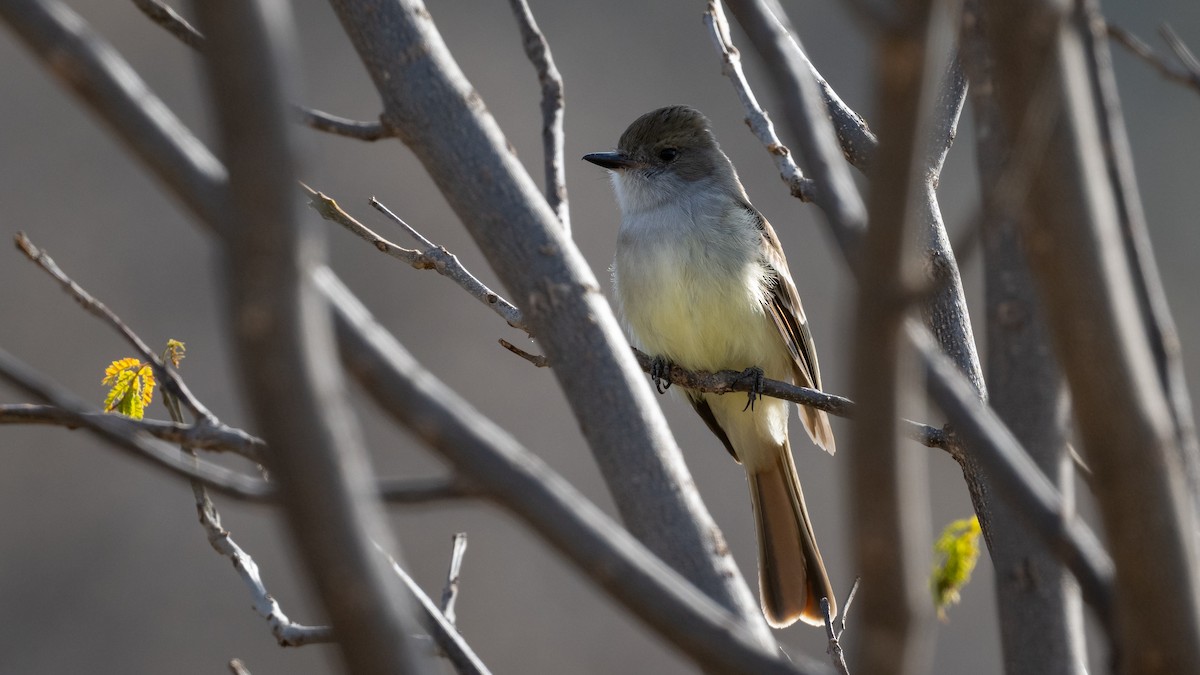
(701, 281)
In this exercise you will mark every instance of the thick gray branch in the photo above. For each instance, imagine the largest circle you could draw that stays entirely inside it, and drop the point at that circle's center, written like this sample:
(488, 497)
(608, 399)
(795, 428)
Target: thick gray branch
(284, 339)
(1071, 224)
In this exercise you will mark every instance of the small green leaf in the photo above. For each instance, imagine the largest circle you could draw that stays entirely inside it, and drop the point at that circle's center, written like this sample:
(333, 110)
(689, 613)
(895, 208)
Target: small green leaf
(957, 551)
(131, 387)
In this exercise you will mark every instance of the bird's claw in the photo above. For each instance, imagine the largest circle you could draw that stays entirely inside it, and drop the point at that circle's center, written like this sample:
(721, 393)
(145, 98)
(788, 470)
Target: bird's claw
(660, 370)
(756, 390)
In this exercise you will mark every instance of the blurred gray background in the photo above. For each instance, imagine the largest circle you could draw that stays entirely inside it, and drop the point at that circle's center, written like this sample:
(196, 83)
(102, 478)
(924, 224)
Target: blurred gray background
(102, 565)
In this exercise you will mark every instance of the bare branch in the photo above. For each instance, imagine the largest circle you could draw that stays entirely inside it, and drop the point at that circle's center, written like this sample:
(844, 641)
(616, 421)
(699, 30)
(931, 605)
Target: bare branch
(340, 126)
(282, 332)
(238, 668)
(1025, 488)
(537, 360)
(1025, 390)
(432, 257)
(835, 647)
(114, 431)
(450, 592)
(538, 51)
(286, 631)
(801, 187)
(447, 637)
(169, 378)
(892, 526)
(163, 15)
(1185, 71)
(808, 118)
(1155, 311)
(211, 437)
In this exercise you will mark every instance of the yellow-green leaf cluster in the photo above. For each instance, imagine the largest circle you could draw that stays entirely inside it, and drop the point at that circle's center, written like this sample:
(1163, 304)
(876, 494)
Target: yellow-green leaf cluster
(957, 551)
(131, 387)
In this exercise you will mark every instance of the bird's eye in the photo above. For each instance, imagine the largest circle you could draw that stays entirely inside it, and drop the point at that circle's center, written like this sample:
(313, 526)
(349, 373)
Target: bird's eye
(668, 154)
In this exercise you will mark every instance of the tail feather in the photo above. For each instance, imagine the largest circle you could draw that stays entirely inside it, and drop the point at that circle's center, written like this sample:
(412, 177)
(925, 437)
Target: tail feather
(792, 577)
(816, 423)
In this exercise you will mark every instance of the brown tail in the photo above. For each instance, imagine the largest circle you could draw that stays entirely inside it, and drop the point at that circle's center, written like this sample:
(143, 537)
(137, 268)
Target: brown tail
(791, 575)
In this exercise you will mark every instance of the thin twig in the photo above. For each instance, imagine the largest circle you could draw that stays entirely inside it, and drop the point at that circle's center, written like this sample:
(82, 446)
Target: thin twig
(238, 668)
(538, 51)
(846, 607)
(538, 360)
(162, 14)
(450, 592)
(341, 126)
(209, 437)
(169, 378)
(801, 187)
(113, 430)
(1185, 55)
(447, 637)
(1185, 72)
(432, 257)
(170, 20)
(810, 114)
(836, 655)
(287, 632)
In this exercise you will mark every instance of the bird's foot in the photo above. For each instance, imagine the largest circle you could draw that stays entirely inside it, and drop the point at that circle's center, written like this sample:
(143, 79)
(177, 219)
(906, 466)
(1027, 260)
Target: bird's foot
(756, 390)
(660, 371)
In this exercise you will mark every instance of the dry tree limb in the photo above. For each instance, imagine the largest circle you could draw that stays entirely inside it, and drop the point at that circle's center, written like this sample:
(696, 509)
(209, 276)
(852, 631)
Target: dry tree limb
(453, 574)
(210, 437)
(1186, 68)
(430, 257)
(287, 632)
(282, 333)
(553, 103)
(801, 187)
(441, 628)
(341, 126)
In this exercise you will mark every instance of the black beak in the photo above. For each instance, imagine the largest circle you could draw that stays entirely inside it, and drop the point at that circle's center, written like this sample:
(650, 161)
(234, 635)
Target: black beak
(610, 160)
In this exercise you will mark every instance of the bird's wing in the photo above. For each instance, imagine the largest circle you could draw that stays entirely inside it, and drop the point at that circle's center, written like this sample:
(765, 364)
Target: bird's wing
(783, 302)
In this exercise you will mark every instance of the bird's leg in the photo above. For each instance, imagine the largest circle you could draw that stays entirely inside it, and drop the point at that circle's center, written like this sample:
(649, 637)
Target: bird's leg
(660, 370)
(756, 390)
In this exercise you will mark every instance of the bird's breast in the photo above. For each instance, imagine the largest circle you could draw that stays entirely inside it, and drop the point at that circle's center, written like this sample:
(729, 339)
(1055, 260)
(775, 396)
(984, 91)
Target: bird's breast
(692, 290)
